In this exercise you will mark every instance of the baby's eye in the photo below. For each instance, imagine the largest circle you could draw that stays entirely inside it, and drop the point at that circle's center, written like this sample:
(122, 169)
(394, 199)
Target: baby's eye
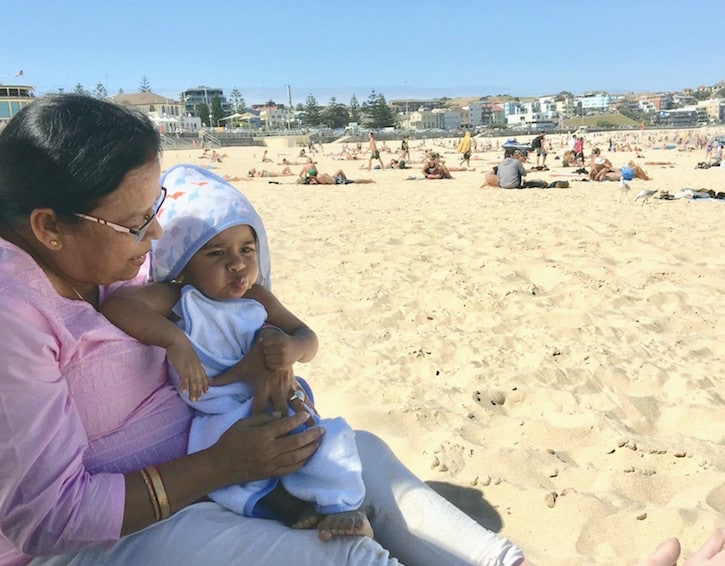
(247, 250)
(215, 253)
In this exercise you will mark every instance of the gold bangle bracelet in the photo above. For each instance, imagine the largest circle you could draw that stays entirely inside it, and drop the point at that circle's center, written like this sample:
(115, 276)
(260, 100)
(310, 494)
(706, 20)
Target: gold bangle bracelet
(160, 490)
(152, 495)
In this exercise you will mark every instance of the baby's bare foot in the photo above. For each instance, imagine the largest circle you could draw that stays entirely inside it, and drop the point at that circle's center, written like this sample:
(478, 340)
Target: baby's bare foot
(353, 523)
(308, 519)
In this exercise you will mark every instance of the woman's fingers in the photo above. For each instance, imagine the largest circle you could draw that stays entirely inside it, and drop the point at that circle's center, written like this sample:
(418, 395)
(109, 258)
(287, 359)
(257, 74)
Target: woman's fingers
(295, 450)
(711, 552)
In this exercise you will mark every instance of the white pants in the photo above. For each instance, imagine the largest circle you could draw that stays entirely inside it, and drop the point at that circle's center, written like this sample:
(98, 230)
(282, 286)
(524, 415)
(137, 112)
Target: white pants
(412, 524)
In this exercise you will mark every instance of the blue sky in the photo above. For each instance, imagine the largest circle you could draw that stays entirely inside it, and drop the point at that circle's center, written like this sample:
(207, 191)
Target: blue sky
(400, 48)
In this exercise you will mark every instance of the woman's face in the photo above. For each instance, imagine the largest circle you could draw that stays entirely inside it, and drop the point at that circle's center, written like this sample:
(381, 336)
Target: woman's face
(99, 255)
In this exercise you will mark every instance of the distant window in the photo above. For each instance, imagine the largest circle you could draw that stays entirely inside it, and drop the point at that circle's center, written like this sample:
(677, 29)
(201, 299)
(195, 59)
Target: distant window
(152, 108)
(4, 110)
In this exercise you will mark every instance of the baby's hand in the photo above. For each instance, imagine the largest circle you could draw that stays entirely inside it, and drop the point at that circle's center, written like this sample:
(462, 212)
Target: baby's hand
(280, 350)
(192, 377)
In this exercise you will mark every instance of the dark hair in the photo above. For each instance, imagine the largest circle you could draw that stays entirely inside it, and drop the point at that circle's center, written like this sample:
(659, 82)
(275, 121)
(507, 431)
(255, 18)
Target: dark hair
(67, 151)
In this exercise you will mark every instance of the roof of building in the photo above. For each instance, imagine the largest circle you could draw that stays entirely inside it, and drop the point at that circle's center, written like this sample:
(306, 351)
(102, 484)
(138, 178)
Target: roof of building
(142, 99)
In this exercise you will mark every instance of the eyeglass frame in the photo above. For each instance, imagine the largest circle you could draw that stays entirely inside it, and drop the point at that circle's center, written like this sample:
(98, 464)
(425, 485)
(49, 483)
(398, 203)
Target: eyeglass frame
(139, 232)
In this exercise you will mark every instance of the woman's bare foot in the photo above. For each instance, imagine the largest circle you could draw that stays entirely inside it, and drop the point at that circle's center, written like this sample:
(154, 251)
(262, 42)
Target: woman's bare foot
(354, 523)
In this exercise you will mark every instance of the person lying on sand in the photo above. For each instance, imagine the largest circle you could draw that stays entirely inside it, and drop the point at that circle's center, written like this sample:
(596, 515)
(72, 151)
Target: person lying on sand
(286, 172)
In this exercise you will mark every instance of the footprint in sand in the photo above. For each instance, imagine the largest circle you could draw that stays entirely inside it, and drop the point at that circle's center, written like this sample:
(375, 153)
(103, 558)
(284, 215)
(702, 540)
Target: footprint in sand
(494, 397)
(716, 499)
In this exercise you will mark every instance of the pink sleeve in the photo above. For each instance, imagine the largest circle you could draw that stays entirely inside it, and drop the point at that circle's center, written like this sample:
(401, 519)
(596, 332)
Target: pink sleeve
(49, 503)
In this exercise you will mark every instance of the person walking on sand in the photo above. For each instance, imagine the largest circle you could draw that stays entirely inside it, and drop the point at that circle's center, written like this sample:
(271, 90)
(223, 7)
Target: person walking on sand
(464, 147)
(539, 145)
(374, 153)
(405, 149)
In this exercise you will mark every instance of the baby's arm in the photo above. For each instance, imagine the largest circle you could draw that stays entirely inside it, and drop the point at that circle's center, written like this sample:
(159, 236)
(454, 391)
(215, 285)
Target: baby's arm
(297, 342)
(143, 312)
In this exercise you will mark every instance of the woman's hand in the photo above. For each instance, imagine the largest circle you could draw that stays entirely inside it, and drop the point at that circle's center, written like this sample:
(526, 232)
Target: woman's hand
(260, 447)
(192, 377)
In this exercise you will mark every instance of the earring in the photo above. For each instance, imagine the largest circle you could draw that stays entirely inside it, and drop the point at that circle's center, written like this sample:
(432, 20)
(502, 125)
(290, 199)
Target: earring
(54, 243)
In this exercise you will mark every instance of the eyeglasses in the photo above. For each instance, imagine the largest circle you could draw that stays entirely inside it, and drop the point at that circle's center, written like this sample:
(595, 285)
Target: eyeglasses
(139, 232)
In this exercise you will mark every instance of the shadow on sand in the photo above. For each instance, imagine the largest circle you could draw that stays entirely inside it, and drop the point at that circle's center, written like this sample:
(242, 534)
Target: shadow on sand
(471, 502)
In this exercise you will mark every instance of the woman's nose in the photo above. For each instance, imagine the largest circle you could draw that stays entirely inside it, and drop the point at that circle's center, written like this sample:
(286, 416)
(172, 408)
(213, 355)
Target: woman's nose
(154, 230)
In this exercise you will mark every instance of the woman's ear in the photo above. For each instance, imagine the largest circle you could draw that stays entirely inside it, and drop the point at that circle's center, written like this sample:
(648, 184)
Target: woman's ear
(44, 224)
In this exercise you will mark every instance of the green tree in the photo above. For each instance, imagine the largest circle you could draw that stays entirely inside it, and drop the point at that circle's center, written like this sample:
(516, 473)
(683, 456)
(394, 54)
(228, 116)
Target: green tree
(354, 109)
(100, 91)
(335, 115)
(145, 86)
(312, 112)
(216, 110)
(79, 89)
(701, 94)
(377, 112)
(201, 110)
(237, 100)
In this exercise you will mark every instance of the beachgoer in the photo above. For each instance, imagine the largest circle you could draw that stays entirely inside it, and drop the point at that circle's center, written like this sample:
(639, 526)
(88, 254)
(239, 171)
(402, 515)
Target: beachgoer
(600, 168)
(265, 157)
(219, 302)
(93, 442)
(579, 149)
(234, 178)
(405, 149)
(511, 171)
(569, 159)
(374, 153)
(434, 167)
(286, 172)
(308, 173)
(314, 177)
(464, 147)
(490, 178)
(539, 144)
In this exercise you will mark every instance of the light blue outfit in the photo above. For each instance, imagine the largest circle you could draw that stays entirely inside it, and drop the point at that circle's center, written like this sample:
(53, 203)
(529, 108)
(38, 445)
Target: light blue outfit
(199, 206)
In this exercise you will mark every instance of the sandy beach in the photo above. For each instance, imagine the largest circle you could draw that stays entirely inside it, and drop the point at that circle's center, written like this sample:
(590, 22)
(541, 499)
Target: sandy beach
(549, 360)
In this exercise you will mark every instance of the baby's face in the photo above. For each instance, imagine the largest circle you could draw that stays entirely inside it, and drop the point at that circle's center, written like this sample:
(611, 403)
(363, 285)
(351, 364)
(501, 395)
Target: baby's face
(226, 267)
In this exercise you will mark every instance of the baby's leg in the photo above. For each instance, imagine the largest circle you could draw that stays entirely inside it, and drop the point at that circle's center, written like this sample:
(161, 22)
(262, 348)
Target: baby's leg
(350, 523)
(293, 512)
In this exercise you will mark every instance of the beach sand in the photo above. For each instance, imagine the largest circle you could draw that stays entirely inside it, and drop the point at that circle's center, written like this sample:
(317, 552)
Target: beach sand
(549, 360)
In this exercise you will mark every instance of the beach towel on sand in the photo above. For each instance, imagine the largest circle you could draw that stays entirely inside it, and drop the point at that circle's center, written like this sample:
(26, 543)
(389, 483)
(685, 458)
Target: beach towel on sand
(199, 206)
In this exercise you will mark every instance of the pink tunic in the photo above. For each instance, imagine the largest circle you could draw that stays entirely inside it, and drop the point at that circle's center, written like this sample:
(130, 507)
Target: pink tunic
(80, 403)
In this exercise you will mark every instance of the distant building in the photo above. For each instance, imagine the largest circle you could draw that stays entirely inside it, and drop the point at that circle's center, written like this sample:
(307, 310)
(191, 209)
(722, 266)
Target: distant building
(192, 97)
(273, 116)
(166, 113)
(593, 103)
(479, 114)
(713, 108)
(12, 99)
(679, 117)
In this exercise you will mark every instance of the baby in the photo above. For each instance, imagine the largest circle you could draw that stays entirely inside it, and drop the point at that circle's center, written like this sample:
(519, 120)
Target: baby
(210, 302)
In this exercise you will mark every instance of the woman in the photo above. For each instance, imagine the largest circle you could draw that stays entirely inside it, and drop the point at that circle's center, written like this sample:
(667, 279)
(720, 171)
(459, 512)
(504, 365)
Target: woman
(92, 436)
